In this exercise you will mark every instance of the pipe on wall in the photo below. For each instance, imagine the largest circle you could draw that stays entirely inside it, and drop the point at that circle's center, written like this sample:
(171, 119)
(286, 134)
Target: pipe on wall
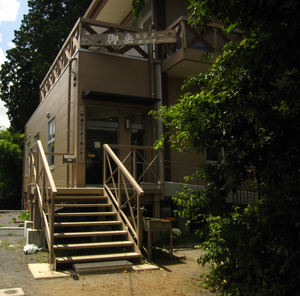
(69, 118)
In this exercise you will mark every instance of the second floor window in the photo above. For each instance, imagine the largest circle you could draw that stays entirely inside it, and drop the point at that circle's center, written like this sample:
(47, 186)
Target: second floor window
(51, 141)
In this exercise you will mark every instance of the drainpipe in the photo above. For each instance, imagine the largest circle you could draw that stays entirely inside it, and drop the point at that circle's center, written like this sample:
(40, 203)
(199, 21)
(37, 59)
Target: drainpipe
(68, 118)
(151, 28)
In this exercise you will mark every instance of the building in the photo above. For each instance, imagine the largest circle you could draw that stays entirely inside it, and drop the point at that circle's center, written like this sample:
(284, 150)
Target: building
(112, 70)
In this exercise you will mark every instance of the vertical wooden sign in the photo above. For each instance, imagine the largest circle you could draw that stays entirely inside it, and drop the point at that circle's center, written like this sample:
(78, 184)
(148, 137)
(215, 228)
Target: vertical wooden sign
(81, 134)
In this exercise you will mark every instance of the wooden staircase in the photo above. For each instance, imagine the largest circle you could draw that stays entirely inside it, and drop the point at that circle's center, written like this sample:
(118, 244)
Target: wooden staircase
(87, 228)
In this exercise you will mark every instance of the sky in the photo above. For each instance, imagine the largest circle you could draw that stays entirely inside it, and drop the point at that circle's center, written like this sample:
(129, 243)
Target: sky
(11, 15)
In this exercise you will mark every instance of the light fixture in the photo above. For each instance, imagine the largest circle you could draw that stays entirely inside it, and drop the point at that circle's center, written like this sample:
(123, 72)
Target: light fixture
(48, 115)
(127, 123)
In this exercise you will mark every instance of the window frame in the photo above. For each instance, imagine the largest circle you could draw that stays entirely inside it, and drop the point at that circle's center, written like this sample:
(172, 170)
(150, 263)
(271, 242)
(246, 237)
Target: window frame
(51, 142)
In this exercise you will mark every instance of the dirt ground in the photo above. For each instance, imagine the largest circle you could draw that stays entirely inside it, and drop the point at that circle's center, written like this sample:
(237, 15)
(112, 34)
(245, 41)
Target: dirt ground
(175, 277)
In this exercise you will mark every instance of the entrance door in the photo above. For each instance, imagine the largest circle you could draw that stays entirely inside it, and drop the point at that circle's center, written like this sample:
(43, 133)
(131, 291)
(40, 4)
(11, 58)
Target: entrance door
(102, 128)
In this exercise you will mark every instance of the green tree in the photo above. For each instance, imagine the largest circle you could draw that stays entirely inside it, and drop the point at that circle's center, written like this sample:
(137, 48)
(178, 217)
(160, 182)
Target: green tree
(37, 42)
(248, 104)
(11, 166)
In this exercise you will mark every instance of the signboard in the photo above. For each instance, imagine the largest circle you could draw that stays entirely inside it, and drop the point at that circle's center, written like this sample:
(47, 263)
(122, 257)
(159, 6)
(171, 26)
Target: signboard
(122, 39)
(81, 136)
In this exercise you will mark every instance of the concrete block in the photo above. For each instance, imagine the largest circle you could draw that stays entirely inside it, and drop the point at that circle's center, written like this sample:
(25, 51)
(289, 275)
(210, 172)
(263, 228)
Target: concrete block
(12, 291)
(36, 236)
(27, 225)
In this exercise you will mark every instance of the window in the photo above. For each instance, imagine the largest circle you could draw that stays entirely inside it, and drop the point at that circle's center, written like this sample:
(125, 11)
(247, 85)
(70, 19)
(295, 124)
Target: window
(214, 154)
(145, 19)
(51, 141)
(36, 138)
(27, 158)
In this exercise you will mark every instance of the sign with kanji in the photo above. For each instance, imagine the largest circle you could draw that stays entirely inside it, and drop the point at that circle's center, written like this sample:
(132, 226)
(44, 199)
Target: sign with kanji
(81, 136)
(121, 39)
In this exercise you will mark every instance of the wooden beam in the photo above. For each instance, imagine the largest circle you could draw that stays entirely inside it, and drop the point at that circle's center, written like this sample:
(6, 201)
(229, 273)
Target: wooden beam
(223, 36)
(200, 38)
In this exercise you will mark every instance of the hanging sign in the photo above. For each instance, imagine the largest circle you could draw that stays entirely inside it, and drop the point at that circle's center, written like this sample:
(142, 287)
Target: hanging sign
(121, 39)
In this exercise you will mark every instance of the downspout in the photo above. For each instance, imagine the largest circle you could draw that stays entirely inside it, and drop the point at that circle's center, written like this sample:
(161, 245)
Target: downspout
(68, 118)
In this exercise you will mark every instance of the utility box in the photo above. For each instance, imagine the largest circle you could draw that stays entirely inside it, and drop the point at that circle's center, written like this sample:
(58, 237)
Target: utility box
(71, 159)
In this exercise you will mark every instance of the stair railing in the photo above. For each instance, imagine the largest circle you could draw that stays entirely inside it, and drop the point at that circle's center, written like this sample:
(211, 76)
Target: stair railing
(122, 182)
(42, 185)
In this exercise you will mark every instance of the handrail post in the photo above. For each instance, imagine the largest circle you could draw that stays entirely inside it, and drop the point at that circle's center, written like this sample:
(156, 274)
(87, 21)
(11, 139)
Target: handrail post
(134, 163)
(139, 220)
(183, 38)
(51, 218)
(120, 192)
(104, 166)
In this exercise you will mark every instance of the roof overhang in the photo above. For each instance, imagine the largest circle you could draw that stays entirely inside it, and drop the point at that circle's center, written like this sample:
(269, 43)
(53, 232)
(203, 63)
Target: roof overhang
(116, 98)
(109, 10)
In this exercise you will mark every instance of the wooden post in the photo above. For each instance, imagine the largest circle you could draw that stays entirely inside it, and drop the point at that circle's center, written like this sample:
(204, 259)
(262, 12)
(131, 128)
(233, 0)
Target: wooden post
(36, 212)
(51, 222)
(183, 38)
(139, 222)
(120, 191)
(134, 164)
(104, 166)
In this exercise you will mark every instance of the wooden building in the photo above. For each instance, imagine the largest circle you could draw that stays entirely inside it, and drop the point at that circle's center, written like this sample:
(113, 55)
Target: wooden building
(89, 144)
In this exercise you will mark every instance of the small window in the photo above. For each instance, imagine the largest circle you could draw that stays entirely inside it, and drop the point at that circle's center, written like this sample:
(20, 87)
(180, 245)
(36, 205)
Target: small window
(36, 138)
(27, 158)
(145, 18)
(51, 141)
(214, 154)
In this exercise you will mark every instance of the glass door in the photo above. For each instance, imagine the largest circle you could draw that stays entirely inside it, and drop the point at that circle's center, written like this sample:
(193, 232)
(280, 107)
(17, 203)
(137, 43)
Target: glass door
(101, 128)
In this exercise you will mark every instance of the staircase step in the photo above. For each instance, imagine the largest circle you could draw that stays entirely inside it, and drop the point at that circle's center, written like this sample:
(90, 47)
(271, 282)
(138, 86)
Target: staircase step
(104, 266)
(79, 214)
(93, 233)
(78, 191)
(88, 223)
(94, 245)
(82, 205)
(58, 197)
(103, 257)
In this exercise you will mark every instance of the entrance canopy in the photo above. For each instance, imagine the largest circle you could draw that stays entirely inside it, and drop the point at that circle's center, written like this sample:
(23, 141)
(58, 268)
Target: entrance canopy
(116, 98)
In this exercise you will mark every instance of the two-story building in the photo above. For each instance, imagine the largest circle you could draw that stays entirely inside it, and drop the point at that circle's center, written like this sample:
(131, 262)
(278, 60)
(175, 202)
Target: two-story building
(111, 71)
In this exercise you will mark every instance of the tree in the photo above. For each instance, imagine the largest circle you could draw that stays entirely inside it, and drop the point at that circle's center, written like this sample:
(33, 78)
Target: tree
(38, 41)
(11, 166)
(248, 104)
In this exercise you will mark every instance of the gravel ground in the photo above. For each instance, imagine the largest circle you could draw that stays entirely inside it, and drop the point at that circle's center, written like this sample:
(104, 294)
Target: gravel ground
(175, 277)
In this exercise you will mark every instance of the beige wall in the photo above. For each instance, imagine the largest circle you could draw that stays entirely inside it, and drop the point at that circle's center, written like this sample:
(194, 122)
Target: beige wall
(175, 9)
(113, 74)
(56, 104)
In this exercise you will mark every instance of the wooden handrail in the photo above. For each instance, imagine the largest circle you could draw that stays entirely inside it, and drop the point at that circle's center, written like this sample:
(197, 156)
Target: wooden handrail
(46, 167)
(120, 165)
(212, 24)
(187, 37)
(73, 44)
(45, 192)
(134, 147)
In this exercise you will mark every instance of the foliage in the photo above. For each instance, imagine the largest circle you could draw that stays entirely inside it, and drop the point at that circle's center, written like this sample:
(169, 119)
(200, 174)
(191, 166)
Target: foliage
(248, 104)
(137, 6)
(35, 50)
(11, 166)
